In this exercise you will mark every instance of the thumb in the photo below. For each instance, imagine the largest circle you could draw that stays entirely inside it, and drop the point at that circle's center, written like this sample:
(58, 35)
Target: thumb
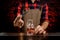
(19, 16)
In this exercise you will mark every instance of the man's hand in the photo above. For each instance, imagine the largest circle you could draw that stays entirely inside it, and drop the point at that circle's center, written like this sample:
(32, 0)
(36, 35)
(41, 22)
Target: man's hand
(18, 22)
(40, 30)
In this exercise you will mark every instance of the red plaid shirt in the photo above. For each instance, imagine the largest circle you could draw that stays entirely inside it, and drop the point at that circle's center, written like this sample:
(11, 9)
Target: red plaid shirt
(35, 5)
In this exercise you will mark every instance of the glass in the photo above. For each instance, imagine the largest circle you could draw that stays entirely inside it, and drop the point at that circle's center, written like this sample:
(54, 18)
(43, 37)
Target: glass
(30, 27)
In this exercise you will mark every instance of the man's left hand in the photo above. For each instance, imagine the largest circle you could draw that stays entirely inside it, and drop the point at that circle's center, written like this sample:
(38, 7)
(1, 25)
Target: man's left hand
(40, 30)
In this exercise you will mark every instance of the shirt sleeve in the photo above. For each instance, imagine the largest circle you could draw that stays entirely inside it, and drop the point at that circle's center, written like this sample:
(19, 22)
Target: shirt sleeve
(45, 12)
(44, 15)
(19, 9)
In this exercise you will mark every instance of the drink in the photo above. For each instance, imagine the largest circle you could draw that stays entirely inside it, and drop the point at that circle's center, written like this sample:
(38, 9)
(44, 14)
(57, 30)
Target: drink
(30, 27)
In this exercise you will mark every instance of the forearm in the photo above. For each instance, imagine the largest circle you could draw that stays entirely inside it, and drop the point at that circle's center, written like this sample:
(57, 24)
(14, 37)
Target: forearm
(45, 24)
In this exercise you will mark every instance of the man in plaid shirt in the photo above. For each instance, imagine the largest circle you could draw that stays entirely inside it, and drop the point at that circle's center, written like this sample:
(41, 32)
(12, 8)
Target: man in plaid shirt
(34, 4)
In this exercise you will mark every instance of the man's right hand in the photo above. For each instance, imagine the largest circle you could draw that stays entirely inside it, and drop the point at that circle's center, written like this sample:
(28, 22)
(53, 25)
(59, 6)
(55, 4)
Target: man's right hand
(18, 22)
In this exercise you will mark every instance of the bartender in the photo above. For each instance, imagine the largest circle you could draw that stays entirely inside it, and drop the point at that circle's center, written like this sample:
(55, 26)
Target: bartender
(33, 4)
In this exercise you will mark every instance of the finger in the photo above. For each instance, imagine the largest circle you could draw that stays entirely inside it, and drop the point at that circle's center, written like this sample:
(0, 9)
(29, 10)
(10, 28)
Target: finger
(36, 29)
(21, 25)
(44, 32)
(22, 22)
(41, 31)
